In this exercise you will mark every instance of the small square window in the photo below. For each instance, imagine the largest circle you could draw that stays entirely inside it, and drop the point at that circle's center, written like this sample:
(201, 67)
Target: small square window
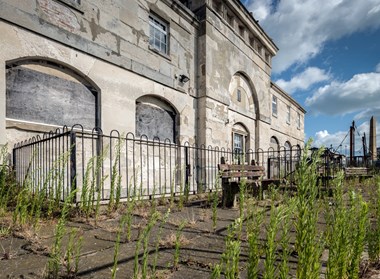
(238, 93)
(158, 34)
(274, 105)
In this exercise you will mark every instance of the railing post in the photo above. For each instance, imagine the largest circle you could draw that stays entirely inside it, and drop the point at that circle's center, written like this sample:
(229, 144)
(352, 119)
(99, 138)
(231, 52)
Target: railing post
(73, 163)
(14, 163)
(188, 174)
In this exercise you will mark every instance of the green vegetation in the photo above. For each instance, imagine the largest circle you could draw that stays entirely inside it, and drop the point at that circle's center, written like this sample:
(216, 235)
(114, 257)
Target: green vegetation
(306, 228)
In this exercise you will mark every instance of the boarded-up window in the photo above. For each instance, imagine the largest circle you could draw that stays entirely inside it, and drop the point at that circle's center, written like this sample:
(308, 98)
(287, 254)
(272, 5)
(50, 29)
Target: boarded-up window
(46, 95)
(155, 119)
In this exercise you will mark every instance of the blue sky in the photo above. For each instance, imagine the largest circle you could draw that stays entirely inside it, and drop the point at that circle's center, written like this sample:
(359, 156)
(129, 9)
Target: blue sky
(329, 61)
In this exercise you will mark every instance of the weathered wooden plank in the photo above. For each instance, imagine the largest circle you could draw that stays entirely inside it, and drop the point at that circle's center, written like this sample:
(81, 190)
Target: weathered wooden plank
(225, 167)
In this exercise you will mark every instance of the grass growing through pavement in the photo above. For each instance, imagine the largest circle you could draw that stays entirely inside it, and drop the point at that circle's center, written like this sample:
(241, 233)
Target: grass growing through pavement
(56, 255)
(342, 240)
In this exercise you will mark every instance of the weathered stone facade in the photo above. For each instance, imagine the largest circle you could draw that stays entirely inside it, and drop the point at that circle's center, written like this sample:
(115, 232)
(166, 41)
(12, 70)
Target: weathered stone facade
(109, 54)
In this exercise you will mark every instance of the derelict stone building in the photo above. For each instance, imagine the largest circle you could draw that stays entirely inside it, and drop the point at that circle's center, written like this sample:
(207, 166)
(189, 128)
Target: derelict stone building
(196, 71)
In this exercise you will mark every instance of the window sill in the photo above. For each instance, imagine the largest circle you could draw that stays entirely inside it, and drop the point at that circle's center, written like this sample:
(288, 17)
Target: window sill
(164, 55)
(274, 115)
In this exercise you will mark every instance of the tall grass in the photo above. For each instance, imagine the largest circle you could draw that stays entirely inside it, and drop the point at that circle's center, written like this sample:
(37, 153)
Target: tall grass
(373, 235)
(345, 238)
(117, 246)
(72, 254)
(115, 190)
(255, 220)
(55, 260)
(31, 201)
(231, 255)
(143, 239)
(285, 237)
(309, 241)
(177, 244)
(158, 239)
(5, 188)
(277, 215)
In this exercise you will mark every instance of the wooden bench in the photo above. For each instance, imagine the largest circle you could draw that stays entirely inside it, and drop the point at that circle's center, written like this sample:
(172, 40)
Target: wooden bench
(232, 175)
(360, 172)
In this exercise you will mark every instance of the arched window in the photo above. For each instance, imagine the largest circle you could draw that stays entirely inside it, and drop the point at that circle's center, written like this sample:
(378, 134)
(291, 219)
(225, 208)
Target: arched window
(155, 118)
(46, 92)
(297, 151)
(274, 144)
(288, 149)
(240, 138)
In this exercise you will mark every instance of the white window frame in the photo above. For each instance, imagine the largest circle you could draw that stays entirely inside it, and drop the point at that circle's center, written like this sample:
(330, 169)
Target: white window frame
(288, 114)
(158, 34)
(274, 106)
(241, 155)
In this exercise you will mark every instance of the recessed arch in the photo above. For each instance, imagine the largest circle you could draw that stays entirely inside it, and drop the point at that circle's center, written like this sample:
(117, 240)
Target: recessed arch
(244, 100)
(244, 79)
(156, 118)
(47, 91)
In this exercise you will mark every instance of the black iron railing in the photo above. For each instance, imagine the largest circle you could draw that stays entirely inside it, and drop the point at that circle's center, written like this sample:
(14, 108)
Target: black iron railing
(68, 159)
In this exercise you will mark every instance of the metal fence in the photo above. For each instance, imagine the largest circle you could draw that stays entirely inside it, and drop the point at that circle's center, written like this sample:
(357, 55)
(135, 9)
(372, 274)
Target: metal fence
(68, 159)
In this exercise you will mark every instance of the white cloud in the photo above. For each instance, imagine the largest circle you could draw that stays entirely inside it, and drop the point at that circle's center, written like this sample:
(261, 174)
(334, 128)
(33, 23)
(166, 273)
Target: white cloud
(262, 8)
(304, 80)
(324, 138)
(360, 93)
(340, 140)
(301, 27)
(377, 68)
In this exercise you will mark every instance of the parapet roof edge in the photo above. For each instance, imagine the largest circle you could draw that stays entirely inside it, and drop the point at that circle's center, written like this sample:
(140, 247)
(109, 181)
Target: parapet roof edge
(256, 23)
(189, 15)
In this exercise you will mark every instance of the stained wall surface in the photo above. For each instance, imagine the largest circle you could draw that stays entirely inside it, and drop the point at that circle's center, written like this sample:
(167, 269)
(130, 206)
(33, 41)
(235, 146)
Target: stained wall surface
(93, 63)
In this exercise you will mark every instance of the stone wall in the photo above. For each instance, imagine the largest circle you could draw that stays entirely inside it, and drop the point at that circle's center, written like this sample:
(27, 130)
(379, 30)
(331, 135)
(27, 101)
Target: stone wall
(108, 45)
(105, 44)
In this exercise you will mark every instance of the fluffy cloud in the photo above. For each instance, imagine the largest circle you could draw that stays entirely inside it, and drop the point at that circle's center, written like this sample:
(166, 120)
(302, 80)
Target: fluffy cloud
(360, 93)
(303, 80)
(302, 27)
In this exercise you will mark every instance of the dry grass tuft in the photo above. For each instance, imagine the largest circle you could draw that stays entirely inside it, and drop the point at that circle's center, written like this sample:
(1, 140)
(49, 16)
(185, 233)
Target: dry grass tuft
(169, 241)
